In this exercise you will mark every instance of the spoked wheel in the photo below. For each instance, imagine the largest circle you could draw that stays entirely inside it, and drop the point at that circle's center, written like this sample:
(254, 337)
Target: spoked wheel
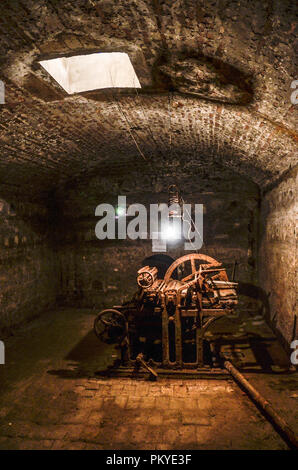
(190, 264)
(110, 326)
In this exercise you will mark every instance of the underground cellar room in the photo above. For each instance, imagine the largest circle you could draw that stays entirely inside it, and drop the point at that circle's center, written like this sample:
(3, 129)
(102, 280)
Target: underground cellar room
(148, 202)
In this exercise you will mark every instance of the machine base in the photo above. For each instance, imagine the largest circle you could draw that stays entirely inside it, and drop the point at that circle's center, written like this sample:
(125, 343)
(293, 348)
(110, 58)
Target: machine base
(201, 373)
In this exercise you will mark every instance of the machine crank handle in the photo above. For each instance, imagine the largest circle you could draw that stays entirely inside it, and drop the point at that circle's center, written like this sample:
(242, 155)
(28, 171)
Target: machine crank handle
(140, 361)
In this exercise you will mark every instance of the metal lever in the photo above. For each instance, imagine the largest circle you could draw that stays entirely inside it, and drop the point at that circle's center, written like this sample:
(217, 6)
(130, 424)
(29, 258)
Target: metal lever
(140, 361)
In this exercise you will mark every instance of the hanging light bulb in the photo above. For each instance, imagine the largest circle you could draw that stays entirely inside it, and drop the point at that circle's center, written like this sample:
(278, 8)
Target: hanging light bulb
(171, 231)
(174, 201)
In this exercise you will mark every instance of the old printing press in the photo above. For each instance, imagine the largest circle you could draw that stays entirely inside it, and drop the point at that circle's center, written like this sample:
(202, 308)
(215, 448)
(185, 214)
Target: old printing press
(163, 326)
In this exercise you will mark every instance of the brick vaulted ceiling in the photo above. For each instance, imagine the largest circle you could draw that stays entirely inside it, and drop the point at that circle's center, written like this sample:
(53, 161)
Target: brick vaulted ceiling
(215, 78)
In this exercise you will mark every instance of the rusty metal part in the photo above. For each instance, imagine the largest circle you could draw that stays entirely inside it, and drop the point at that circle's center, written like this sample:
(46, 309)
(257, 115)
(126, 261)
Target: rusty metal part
(140, 360)
(191, 258)
(146, 276)
(194, 374)
(110, 325)
(277, 421)
(167, 319)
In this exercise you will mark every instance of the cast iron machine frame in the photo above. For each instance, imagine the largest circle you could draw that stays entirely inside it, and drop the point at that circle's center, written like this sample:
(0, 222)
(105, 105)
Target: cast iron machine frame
(197, 299)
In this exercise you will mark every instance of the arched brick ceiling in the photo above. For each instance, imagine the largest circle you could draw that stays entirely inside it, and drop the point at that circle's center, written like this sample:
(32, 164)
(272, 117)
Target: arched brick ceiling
(216, 82)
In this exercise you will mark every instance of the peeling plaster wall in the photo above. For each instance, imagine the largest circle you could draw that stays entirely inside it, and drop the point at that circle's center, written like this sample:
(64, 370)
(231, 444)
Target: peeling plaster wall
(28, 268)
(278, 255)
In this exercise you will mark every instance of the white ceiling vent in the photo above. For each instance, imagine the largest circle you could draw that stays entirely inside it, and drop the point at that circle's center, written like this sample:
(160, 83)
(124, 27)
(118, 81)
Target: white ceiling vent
(93, 71)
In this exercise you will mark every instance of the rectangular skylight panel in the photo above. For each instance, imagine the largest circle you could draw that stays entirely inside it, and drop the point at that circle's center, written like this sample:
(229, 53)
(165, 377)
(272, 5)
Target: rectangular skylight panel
(92, 71)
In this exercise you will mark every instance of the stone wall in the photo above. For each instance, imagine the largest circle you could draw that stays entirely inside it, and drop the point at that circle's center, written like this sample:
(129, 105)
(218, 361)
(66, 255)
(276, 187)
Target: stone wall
(50, 255)
(278, 255)
(97, 273)
(28, 268)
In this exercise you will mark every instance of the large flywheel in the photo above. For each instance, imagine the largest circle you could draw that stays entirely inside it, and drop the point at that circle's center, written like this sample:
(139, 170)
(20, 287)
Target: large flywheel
(189, 266)
(110, 326)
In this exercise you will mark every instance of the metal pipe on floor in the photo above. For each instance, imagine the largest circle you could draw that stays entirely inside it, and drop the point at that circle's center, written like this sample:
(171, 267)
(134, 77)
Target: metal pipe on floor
(278, 422)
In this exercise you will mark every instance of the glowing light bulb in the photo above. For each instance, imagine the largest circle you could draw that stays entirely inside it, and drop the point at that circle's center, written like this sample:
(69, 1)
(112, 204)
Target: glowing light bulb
(171, 232)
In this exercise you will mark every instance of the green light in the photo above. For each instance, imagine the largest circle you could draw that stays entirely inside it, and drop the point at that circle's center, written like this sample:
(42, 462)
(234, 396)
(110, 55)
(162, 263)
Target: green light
(120, 211)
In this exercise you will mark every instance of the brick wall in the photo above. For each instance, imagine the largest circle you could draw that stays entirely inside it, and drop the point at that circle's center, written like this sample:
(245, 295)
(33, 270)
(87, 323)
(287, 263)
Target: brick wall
(278, 254)
(28, 269)
(97, 273)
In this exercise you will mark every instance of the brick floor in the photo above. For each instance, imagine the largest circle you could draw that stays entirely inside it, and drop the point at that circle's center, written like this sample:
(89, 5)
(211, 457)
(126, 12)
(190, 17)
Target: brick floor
(50, 401)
